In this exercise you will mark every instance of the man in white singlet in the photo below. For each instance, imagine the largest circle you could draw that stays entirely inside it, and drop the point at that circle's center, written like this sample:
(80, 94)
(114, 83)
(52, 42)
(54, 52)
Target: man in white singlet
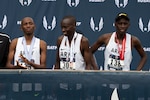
(73, 51)
(119, 45)
(28, 51)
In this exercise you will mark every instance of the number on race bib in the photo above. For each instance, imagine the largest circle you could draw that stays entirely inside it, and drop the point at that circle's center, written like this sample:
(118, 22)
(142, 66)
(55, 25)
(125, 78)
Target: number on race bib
(67, 65)
(114, 62)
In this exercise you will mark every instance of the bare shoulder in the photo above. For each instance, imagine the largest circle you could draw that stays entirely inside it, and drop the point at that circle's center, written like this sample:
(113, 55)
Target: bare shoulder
(84, 39)
(43, 44)
(106, 35)
(14, 42)
(84, 43)
(135, 41)
(134, 38)
(59, 39)
(104, 38)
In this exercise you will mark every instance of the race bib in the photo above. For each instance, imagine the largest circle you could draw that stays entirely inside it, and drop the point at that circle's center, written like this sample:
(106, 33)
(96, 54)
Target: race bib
(67, 65)
(114, 62)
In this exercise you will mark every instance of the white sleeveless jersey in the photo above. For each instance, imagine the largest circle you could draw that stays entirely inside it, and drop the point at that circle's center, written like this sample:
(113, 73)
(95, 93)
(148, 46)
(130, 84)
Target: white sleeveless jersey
(35, 51)
(111, 51)
(66, 53)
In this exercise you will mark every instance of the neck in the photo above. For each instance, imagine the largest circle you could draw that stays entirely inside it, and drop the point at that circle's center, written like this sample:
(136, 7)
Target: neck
(120, 36)
(70, 37)
(28, 39)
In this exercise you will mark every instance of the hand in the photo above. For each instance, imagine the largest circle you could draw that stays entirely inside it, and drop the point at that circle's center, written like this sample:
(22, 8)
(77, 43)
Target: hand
(21, 65)
(24, 63)
(24, 59)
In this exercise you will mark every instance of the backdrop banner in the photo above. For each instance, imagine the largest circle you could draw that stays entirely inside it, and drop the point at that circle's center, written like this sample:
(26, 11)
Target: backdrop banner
(94, 18)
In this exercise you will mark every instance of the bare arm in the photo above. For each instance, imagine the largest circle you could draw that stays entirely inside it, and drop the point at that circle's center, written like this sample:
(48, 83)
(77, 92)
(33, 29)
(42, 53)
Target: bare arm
(102, 40)
(11, 54)
(137, 45)
(94, 62)
(86, 52)
(57, 64)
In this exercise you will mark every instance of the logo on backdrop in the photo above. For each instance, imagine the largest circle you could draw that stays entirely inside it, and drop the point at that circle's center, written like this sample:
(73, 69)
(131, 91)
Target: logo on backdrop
(4, 22)
(25, 2)
(121, 5)
(73, 4)
(48, 0)
(141, 26)
(96, 28)
(96, 0)
(49, 27)
(78, 23)
(143, 1)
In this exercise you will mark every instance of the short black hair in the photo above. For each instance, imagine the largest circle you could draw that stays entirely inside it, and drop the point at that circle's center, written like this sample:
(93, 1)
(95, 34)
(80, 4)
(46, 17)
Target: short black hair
(73, 19)
(122, 16)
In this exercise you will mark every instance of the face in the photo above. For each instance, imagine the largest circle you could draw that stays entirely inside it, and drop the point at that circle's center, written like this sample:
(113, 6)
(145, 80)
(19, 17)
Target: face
(28, 26)
(122, 26)
(67, 26)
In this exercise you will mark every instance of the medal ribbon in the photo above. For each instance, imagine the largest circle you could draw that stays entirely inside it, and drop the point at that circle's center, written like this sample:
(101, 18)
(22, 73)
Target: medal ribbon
(72, 48)
(121, 50)
(28, 54)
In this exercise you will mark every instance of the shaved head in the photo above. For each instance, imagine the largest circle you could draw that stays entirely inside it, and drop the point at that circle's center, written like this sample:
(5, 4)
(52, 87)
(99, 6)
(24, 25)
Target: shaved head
(26, 18)
(27, 25)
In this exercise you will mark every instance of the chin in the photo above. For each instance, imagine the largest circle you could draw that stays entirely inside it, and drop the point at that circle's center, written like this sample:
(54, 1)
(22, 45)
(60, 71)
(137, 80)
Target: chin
(65, 34)
(29, 33)
(122, 31)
